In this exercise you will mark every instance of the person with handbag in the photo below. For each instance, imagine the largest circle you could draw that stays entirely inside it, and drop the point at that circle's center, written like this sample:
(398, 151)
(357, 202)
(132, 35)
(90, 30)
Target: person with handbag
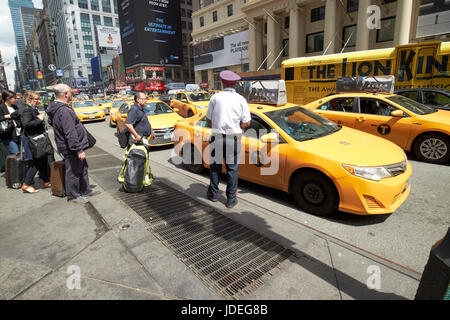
(34, 131)
(72, 141)
(10, 122)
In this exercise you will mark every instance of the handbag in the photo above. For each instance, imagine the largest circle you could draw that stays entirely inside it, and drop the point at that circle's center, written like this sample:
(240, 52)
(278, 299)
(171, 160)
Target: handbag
(40, 146)
(91, 140)
(5, 126)
(123, 137)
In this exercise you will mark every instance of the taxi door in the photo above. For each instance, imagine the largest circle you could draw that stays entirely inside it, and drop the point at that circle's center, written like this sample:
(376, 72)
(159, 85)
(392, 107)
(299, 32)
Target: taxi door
(374, 118)
(202, 137)
(175, 103)
(261, 162)
(341, 111)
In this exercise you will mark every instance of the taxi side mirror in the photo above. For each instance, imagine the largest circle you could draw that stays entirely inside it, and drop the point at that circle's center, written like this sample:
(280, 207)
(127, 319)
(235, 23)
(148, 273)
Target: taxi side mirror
(269, 138)
(397, 114)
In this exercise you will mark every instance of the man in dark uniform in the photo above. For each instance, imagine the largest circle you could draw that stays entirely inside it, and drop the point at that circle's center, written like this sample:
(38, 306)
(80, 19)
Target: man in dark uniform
(137, 122)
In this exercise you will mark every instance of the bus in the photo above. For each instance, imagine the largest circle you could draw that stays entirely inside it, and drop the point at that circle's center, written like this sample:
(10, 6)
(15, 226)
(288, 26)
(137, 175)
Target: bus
(419, 65)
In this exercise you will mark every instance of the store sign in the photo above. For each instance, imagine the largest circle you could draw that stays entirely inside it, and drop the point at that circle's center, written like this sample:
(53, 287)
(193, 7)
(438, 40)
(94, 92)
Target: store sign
(151, 32)
(108, 37)
(204, 85)
(219, 53)
(154, 69)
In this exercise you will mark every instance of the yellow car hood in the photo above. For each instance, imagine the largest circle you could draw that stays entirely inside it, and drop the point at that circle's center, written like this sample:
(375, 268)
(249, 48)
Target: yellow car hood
(88, 109)
(350, 146)
(165, 120)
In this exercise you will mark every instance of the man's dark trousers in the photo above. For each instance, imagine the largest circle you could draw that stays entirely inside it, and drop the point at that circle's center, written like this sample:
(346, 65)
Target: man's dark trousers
(228, 148)
(77, 179)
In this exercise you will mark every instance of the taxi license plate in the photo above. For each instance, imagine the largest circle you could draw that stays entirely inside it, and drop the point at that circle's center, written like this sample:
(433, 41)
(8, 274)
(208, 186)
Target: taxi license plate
(92, 117)
(168, 135)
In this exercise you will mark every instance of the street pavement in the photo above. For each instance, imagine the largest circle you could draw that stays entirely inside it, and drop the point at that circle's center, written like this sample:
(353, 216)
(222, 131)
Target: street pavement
(45, 239)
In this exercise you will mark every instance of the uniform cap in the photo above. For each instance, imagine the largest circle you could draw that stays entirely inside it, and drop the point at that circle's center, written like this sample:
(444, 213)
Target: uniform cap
(229, 77)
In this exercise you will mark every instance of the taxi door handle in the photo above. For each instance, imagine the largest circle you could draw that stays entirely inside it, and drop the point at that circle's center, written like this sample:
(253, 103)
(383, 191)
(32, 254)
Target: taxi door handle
(361, 119)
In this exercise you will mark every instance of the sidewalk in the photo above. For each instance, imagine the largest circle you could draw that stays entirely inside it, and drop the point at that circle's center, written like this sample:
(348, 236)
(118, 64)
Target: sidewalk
(42, 236)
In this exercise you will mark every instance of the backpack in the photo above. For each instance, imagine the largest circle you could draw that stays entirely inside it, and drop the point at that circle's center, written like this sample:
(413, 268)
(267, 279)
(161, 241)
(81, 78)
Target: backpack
(136, 172)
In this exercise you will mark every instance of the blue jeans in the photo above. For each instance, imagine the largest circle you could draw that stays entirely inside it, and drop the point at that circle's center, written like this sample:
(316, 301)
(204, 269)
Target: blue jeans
(27, 154)
(230, 146)
(12, 146)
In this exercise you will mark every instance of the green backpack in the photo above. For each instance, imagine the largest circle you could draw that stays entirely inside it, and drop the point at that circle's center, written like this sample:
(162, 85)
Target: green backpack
(136, 172)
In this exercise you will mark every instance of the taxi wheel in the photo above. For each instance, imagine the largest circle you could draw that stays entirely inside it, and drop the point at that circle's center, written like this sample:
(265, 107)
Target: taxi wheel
(315, 193)
(433, 148)
(111, 124)
(189, 152)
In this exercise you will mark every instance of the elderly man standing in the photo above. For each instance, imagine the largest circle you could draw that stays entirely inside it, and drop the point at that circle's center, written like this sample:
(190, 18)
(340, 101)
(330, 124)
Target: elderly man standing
(71, 141)
(228, 114)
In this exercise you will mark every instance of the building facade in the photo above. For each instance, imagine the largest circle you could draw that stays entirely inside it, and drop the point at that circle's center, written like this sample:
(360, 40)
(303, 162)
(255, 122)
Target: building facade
(283, 29)
(3, 79)
(75, 24)
(19, 33)
(43, 33)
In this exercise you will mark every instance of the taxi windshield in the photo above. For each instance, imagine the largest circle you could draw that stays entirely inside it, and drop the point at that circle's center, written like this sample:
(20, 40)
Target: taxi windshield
(155, 108)
(199, 96)
(118, 103)
(83, 104)
(412, 105)
(103, 101)
(302, 124)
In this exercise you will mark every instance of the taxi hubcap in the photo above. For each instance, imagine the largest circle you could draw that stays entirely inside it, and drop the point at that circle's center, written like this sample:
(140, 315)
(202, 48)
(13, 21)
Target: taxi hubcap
(313, 193)
(433, 148)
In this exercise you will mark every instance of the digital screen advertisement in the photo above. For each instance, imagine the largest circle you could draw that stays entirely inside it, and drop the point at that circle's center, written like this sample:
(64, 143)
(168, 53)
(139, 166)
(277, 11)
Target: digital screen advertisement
(151, 32)
(108, 37)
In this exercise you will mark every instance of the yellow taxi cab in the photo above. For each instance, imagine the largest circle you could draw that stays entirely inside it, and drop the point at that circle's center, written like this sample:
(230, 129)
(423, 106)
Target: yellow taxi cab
(414, 127)
(88, 110)
(105, 103)
(324, 166)
(190, 103)
(213, 92)
(115, 107)
(161, 117)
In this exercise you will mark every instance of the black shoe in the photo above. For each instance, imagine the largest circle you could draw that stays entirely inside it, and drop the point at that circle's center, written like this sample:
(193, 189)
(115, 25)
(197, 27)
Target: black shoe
(230, 204)
(210, 197)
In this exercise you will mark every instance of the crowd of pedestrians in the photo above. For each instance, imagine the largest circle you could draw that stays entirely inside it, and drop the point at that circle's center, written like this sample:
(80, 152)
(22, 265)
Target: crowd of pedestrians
(21, 121)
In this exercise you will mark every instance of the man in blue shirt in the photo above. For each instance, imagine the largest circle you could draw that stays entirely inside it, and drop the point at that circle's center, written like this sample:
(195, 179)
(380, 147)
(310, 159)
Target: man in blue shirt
(137, 122)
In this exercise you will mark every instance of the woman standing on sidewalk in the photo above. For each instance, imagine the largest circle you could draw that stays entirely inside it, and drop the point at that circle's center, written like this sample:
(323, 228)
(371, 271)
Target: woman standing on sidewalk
(34, 125)
(8, 112)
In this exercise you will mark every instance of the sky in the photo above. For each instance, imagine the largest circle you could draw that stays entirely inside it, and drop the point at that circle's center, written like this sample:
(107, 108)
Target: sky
(8, 41)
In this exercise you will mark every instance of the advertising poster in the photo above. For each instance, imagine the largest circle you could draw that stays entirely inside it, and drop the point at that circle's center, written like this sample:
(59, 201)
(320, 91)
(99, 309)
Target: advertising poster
(108, 37)
(151, 32)
(228, 51)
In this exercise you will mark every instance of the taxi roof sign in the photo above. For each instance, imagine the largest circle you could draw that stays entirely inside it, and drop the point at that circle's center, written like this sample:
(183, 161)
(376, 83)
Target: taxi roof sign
(272, 92)
(366, 84)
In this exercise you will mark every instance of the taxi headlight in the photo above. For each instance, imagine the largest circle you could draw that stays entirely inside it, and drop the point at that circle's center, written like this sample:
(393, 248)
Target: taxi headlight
(371, 173)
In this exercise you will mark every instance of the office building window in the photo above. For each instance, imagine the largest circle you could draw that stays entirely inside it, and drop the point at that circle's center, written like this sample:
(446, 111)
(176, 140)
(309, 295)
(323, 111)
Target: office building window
(317, 14)
(214, 14)
(83, 4)
(108, 21)
(386, 33)
(106, 5)
(96, 20)
(230, 10)
(314, 42)
(352, 5)
(286, 22)
(94, 5)
(202, 21)
(349, 34)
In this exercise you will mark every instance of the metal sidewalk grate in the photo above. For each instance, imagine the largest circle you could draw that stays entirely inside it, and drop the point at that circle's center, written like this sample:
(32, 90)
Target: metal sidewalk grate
(228, 257)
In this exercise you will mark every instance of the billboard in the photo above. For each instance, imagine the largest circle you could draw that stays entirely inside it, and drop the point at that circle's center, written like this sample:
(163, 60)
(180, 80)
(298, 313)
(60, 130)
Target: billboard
(222, 52)
(108, 37)
(151, 32)
(96, 71)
